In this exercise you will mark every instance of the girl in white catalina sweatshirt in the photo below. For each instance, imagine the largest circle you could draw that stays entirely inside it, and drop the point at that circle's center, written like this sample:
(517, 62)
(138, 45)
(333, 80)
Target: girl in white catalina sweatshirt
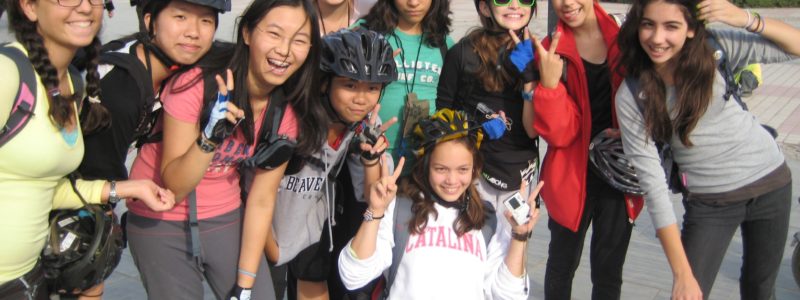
(446, 256)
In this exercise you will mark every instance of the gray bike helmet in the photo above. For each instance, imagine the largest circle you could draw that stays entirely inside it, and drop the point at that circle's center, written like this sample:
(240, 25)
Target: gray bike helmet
(610, 163)
(358, 54)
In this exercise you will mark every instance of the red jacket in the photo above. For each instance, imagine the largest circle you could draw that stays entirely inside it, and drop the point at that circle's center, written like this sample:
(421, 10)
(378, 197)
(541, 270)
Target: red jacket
(563, 119)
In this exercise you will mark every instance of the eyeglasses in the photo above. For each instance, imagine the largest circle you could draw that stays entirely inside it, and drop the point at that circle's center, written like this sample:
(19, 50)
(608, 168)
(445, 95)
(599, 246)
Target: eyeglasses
(76, 3)
(526, 3)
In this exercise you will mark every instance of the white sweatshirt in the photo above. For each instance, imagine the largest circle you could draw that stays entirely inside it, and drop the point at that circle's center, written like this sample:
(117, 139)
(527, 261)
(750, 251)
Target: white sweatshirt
(438, 264)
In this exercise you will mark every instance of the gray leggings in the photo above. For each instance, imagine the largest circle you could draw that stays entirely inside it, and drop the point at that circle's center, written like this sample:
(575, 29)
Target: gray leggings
(162, 253)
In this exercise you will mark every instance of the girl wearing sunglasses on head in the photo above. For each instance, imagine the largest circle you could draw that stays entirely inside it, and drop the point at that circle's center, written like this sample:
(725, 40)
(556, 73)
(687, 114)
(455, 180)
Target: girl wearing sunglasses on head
(733, 172)
(568, 114)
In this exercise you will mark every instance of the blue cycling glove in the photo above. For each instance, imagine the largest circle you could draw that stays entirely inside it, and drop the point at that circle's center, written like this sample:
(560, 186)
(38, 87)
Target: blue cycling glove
(522, 55)
(494, 128)
(218, 128)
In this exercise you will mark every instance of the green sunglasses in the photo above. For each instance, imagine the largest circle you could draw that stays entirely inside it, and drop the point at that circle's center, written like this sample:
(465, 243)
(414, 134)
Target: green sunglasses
(527, 3)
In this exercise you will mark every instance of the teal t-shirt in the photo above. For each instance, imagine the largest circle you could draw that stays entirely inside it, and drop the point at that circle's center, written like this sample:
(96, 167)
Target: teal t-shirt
(418, 70)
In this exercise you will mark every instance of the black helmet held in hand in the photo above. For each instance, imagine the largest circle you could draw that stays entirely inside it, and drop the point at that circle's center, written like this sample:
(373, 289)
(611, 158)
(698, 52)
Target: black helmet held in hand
(84, 247)
(359, 54)
(610, 163)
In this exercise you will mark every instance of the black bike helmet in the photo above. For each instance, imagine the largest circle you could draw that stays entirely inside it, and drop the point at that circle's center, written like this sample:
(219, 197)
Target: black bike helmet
(444, 125)
(358, 54)
(84, 247)
(609, 162)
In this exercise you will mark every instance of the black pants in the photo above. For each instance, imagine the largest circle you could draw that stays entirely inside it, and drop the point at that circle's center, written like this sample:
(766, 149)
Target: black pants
(611, 233)
(30, 286)
(764, 225)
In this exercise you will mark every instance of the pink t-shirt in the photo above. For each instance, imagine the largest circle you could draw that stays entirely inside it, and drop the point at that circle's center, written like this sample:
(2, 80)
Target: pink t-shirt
(218, 192)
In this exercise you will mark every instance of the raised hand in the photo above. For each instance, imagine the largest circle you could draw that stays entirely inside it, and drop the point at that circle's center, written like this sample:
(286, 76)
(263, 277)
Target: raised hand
(225, 116)
(383, 191)
(550, 64)
(522, 54)
(373, 140)
(724, 12)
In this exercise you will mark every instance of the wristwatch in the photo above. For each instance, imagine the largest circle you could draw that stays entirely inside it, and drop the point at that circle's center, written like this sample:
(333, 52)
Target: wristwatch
(368, 216)
(205, 145)
(113, 198)
(527, 96)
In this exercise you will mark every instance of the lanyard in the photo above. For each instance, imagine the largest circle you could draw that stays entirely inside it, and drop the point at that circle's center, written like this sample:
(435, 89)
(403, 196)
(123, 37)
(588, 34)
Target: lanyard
(409, 89)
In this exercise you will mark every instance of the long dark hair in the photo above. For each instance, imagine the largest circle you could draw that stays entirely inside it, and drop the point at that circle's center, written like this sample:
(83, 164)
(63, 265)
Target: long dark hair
(301, 89)
(418, 188)
(693, 74)
(383, 18)
(60, 111)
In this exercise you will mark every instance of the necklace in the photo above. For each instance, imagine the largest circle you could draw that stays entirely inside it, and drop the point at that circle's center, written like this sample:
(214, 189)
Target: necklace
(409, 89)
(322, 20)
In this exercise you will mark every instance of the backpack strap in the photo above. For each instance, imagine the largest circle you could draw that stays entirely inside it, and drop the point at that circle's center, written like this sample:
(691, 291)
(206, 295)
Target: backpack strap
(78, 85)
(402, 216)
(25, 99)
(732, 89)
(134, 67)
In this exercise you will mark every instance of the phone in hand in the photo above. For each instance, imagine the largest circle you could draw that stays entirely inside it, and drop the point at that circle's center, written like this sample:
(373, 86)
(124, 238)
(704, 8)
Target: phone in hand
(519, 209)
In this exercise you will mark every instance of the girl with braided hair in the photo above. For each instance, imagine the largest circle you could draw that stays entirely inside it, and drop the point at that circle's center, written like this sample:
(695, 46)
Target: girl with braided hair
(33, 164)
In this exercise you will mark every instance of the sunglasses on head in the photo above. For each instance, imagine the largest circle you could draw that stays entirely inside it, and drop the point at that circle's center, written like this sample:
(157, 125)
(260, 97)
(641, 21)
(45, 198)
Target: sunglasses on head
(527, 3)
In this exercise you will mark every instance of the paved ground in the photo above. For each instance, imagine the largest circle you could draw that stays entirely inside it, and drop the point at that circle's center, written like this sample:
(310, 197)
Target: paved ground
(647, 274)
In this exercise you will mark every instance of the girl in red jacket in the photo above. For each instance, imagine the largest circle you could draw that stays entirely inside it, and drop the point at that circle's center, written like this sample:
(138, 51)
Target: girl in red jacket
(567, 115)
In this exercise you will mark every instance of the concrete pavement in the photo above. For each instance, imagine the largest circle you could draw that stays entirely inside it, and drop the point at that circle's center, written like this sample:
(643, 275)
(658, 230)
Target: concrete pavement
(647, 274)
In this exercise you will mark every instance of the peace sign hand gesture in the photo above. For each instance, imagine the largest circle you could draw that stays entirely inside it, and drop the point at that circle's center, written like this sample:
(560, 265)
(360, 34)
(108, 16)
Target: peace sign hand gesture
(522, 55)
(225, 116)
(373, 140)
(383, 191)
(550, 64)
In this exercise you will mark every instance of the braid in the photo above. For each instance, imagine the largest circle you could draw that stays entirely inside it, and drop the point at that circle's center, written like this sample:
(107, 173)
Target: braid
(25, 31)
(96, 116)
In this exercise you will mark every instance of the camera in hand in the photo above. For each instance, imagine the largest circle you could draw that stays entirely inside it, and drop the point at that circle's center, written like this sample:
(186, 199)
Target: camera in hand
(519, 209)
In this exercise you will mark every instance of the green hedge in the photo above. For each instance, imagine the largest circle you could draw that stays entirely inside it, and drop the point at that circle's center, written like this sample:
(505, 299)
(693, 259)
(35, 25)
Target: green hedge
(767, 3)
(748, 3)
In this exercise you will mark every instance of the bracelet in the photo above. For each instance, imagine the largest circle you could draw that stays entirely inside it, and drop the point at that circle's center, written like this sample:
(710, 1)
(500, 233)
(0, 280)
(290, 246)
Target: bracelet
(245, 272)
(522, 237)
(369, 216)
(527, 96)
(762, 23)
(750, 19)
(367, 163)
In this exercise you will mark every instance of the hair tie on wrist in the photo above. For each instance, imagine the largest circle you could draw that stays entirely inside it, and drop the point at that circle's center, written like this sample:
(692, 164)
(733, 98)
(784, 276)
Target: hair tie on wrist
(244, 272)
